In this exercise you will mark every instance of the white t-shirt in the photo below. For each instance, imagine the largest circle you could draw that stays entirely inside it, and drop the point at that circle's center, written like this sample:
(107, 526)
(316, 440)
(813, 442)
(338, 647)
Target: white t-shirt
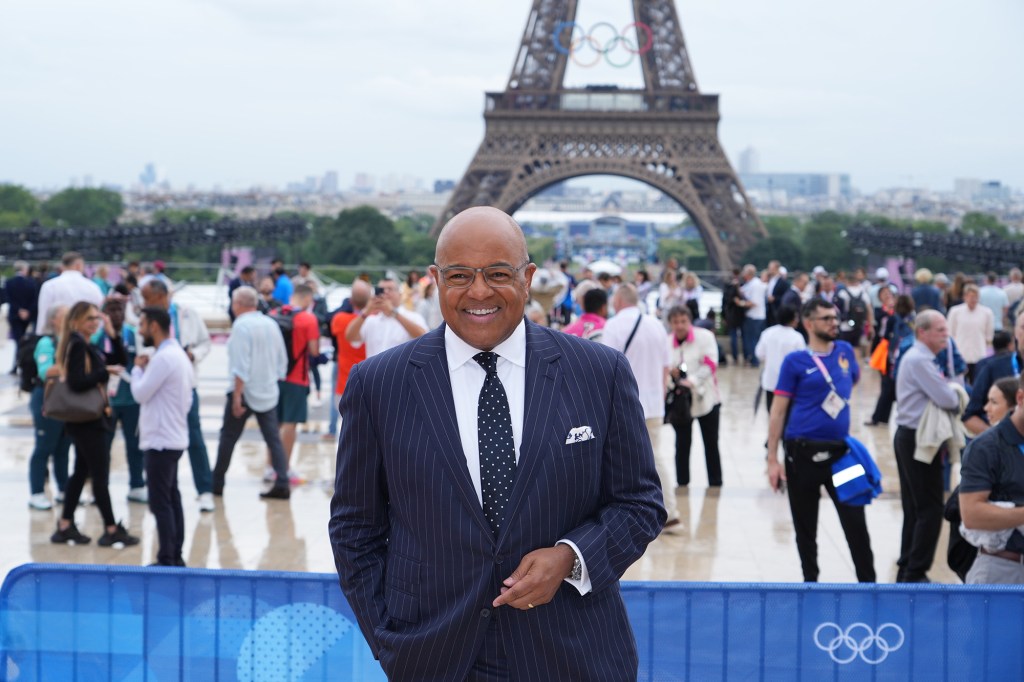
(775, 344)
(382, 332)
(648, 355)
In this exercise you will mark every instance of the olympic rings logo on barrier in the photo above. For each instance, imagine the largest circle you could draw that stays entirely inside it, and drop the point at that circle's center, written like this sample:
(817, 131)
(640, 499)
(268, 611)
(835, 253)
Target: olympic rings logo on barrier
(602, 39)
(858, 640)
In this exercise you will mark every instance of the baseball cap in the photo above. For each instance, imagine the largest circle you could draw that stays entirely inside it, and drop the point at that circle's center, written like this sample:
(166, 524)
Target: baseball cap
(882, 273)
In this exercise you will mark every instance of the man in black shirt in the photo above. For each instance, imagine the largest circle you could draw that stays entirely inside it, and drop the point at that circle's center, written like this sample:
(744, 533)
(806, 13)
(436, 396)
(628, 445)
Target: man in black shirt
(993, 471)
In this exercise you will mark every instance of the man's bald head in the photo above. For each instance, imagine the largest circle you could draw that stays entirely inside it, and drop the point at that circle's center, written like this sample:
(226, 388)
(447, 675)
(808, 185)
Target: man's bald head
(480, 220)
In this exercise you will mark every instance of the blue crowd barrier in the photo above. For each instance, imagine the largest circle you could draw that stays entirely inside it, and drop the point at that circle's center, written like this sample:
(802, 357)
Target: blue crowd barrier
(63, 622)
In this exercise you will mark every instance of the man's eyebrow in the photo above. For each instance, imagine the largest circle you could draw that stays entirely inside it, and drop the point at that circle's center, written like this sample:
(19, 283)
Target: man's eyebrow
(459, 265)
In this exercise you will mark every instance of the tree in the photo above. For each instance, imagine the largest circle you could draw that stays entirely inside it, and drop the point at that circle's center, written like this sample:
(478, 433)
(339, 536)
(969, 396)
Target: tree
(84, 207)
(18, 207)
(541, 249)
(983, 225)
(359, 236)
(689, 252)
(782, 249)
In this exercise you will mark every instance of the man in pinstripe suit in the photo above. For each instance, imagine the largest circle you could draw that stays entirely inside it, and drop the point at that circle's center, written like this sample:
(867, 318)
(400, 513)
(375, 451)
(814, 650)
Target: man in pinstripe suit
(450, 577)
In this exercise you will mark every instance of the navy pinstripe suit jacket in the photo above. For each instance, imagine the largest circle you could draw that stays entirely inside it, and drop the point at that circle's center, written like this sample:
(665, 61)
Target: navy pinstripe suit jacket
(416, 558)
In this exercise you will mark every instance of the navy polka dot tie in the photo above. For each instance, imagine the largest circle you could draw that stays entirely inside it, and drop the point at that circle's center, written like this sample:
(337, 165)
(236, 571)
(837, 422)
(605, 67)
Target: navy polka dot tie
(497, 448)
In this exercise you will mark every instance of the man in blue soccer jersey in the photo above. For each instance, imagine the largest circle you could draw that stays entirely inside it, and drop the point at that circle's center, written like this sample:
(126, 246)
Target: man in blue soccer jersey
(814, 389)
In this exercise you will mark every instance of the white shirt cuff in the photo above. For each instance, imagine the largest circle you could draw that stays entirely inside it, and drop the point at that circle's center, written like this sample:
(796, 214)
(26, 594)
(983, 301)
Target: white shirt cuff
(583, 584)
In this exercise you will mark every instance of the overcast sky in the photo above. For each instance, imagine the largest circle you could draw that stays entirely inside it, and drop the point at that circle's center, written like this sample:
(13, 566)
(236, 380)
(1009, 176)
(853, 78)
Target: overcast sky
(240, 92)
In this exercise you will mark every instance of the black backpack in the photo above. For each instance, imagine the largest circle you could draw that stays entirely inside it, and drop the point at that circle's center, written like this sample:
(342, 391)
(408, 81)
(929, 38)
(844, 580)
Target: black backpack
(286, 323)
(855, 313)
(28, 372)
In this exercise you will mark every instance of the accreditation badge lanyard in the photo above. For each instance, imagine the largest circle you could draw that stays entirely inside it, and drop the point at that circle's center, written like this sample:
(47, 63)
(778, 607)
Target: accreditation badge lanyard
(833, 403)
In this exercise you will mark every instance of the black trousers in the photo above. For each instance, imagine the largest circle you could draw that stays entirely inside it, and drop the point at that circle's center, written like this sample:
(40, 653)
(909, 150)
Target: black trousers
(92, 461)
(684, 442)
(921, 494)
(231, 431)
(804, 479)
(883, 408)
(165, 503)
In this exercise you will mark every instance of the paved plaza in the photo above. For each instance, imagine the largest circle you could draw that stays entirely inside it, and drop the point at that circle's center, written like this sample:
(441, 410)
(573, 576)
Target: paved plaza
(740, 533)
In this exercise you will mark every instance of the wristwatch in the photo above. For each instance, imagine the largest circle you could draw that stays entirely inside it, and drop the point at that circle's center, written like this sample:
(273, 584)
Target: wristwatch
(577, 569)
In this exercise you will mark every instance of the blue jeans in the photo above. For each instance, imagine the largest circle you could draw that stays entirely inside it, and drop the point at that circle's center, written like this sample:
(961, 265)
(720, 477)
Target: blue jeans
(734, 342)
(128, 415)
(50, 441)
(197, 456)
(751, 333)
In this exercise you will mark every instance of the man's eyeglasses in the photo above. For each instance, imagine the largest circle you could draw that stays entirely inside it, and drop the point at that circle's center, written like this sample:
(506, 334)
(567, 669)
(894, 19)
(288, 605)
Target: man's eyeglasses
(459, 277)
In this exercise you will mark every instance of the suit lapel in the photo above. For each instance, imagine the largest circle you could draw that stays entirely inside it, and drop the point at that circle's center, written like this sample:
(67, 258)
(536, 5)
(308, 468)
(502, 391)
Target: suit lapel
(542, 380)
(433, 390)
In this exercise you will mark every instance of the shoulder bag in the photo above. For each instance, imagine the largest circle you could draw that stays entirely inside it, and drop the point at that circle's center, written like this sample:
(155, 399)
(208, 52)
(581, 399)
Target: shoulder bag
(63, 404)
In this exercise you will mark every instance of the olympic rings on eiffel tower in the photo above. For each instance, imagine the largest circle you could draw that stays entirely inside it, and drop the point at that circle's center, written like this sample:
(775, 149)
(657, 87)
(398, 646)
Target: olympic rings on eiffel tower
(602, 39)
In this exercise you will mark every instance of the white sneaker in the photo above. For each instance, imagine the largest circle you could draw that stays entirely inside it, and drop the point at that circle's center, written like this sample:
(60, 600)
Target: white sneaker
(206, 503)
(58, 498)
(40, 501)
(138, 495)
(269, 475)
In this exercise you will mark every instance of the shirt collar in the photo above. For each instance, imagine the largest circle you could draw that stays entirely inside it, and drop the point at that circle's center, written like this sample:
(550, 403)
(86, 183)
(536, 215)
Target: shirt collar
(512, 349)
(1009, 432)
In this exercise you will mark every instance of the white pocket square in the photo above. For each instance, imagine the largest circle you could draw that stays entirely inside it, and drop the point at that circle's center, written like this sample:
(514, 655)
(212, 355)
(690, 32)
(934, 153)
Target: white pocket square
(579, 434)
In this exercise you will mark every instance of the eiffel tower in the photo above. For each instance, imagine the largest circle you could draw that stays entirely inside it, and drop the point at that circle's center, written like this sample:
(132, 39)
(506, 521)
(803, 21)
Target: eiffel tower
(538, 132)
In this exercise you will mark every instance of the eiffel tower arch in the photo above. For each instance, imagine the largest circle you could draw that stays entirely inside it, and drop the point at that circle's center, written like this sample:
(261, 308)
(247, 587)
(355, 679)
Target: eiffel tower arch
(538, 132)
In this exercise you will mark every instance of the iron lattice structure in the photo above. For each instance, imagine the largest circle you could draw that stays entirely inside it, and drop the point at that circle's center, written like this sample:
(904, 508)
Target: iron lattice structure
(538, 133)
(111, 243)
(987, 253)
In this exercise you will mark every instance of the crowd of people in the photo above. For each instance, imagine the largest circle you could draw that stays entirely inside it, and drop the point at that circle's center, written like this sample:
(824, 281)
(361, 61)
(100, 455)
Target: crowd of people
(941, 345)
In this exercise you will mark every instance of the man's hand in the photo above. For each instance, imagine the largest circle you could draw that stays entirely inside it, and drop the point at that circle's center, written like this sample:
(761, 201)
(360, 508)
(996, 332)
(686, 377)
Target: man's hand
(373, 307)
(141, 361)
(236, 406)
(115, 369)
(776, 474)
(23, 314)
(537, 578)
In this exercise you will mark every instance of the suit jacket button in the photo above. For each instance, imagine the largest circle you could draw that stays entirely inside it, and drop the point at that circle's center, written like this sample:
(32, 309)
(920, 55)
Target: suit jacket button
(485, 613)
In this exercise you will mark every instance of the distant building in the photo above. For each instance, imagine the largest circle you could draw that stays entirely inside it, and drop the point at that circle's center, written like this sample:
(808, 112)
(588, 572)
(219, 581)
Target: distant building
(750, 162)
(972, 189)
(442, 186)
(150, 176)
(832, 185)
(364, 184)
(329, 184)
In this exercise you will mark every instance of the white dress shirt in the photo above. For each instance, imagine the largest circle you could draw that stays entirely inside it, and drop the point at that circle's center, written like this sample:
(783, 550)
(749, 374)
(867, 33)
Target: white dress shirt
(68, 288)
(648, 355)
(257, 356)
(754, 290)
(164, 391)
(382, 332)
(467, 378)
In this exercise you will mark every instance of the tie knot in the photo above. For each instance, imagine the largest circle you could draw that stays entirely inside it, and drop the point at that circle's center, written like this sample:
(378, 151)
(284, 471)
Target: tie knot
(487, 360)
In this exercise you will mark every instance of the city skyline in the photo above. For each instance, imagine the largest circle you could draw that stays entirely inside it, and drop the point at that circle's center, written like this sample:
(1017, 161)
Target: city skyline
(241, 94)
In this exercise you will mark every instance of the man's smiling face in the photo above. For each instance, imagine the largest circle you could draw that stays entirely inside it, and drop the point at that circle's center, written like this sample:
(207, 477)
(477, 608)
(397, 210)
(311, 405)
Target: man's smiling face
(483, 315)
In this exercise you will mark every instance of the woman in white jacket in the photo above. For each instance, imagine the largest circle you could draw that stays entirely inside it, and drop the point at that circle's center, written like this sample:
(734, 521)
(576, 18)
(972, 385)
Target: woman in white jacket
(695, 368)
